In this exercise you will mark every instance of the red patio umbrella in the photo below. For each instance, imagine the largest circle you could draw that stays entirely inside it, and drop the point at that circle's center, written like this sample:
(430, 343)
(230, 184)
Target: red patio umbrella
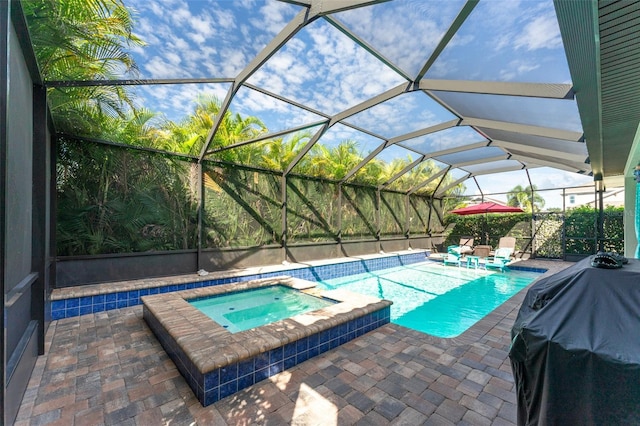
(488, 207)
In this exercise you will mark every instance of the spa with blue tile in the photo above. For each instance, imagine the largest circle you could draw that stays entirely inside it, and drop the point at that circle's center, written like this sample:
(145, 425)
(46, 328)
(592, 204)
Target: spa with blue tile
(216, 363)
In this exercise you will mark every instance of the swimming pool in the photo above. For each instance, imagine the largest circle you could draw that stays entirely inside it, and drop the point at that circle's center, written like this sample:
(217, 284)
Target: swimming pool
(248, 309)
(432, 298)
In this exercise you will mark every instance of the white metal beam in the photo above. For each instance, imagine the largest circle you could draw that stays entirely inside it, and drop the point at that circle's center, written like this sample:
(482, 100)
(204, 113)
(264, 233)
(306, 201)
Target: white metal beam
(568, 166)
(523, 128)
(480, 161)
(325, 7)
(570, 150)
(268, 136)
(531, 90)
(286, 100)
(498, 170)
(426, 131)
(455, 150)
(389, 94)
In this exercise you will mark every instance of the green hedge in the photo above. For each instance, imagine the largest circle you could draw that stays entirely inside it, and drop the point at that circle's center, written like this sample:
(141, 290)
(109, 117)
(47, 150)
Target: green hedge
(578, 225)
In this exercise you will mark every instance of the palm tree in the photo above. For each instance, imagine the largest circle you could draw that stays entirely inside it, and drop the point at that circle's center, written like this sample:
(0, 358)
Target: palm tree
(279, 153)
(371, 173)
(188, 135)
(521, 197)
(393, 168)
(83, 40)
(421, 173)
(335, 163)
(235, 128)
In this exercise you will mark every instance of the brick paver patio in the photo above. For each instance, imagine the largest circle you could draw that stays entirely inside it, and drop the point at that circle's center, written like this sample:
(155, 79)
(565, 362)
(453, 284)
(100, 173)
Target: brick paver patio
(108, 368)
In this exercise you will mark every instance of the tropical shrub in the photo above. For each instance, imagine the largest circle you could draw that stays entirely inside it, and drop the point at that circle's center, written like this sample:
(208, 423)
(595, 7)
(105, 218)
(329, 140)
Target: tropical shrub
(112, 200)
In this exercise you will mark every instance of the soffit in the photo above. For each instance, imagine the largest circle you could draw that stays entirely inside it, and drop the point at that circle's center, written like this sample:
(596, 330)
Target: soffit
(619, 25)
(603, 50)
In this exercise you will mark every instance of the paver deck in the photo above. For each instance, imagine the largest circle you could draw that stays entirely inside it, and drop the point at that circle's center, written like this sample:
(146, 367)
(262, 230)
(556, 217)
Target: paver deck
(108, 368)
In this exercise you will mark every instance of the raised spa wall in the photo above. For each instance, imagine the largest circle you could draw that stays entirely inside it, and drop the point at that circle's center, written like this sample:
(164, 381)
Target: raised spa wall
(217, 363)
(75, 301)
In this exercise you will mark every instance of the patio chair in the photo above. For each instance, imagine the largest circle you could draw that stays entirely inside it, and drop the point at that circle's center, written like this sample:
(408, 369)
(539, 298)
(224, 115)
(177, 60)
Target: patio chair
(452, 257)
(507, 242)
(464, 247)
(499, 260)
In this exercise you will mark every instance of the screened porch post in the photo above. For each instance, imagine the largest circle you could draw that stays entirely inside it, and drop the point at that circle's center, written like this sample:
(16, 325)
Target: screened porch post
(283, 210)
(201, 201)
(378, 224)
(339, 222)
(600, 200)
(407, 221)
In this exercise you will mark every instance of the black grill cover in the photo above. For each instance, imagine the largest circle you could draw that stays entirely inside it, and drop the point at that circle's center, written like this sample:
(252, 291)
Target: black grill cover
(575, 350)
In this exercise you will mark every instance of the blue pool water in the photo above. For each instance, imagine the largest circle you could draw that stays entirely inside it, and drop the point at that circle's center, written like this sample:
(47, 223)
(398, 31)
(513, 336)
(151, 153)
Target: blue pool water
(440, 300)
(248, 309)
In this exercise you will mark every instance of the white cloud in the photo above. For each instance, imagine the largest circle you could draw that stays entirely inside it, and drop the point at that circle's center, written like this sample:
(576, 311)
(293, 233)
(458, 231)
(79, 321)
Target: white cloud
(500, 14)
(273, 17)
(180, 16)
(257, 102)
(224, 19)
(234, 62)
(541, 33)
(138, 50)
(526, 67)
(202, 27)
(147, 31)
(516, 68)
(159, 68)
(173, 58)
(546, 177)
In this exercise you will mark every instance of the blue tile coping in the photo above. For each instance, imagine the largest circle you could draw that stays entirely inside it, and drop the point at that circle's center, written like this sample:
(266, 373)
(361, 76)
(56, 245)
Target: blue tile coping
(217, 363)
(91, 299)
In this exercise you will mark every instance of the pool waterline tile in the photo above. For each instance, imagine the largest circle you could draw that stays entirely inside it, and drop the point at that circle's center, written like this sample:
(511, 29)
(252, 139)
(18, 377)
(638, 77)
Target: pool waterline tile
(112, 291)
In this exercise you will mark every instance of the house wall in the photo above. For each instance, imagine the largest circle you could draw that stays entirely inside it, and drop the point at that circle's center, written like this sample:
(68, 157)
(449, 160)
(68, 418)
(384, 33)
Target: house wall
(611, 198)
(630, 237)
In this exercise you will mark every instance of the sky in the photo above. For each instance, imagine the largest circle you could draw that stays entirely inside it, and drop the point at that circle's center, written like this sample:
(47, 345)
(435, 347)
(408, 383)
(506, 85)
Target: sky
(321, 67)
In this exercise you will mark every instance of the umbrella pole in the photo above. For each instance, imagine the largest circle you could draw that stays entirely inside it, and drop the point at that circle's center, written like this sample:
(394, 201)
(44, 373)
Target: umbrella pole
(486, 229)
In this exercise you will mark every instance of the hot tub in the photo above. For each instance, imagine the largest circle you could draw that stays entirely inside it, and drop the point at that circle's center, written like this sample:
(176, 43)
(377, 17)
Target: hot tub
(217, 363)
(243, 310)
